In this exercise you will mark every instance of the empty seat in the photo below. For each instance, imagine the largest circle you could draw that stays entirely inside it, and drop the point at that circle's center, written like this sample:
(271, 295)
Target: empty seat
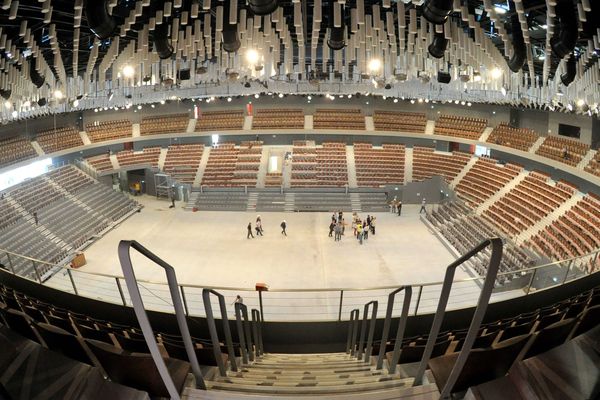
(63, 342)
(589, 319)
(410, 354)
(21, 323)
(551, 336)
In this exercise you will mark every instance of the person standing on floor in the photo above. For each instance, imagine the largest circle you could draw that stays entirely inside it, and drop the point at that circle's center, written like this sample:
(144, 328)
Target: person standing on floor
(35, 217)
(423, 202)
(338, 232)
(172, 197)
(258, 227)
(365, 230)
(372, 225)
(331, 228)
(249, 235)
(283, 226)
(359, 232)
(399, 208)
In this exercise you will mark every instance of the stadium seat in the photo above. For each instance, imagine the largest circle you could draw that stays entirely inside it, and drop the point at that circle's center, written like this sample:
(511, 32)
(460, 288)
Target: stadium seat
(551, 336)
(61, 341)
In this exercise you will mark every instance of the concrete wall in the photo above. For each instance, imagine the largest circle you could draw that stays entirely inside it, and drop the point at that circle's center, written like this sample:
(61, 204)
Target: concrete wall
(585, 123)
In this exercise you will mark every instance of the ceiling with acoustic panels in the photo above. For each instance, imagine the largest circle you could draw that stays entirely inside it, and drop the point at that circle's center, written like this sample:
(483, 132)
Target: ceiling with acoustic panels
(61, 56)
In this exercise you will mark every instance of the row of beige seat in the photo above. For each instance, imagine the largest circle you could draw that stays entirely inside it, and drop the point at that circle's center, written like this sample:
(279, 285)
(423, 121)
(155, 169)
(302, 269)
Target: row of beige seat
(53, 140)
(457, 126)
(100, 131)
(14, 150)
(164, 124)
(517, 138)
(399, 121)
(182, 161)
(564, 150)
(379, 166)
(427, 163)
(220, 121)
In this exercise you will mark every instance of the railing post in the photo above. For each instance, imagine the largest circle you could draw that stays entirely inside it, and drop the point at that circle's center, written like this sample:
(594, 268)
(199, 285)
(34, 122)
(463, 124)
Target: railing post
(72, 281)
(185, 306)
(353, 344)
(568, 270)
(341, 302)
(10, 264)
(256, 332)
(353, 316)
(213, 330)
(531, 281)
(37, 273)
(240, 328)
(260, 303)
(363, 329)
(399, 331)
(418, 299)
(121, 291)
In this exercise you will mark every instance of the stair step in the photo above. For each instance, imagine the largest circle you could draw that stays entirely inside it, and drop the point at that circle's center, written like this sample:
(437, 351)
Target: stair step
(308, 381)
(297, 374)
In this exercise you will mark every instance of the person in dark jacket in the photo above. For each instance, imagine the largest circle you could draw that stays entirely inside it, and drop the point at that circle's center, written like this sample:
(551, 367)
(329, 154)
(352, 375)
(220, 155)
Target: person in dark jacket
(249, 235)
(283, 226)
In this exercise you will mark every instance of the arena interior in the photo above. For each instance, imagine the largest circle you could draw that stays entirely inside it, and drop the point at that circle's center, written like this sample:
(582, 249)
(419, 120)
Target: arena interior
(269, 199)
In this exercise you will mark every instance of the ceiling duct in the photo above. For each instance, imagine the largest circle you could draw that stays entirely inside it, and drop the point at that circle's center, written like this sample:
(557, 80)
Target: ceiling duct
(566, 30)
(37, 79)
(519, 56)
(336, 34)
(263, 7)
(437, 11)
(100, 22)
(570, 71)
(231, 40)
(162, 42)
(438, 45)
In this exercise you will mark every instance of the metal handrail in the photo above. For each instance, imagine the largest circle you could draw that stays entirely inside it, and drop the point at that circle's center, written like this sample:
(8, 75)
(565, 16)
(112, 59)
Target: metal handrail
(482, 303)
(351, 340)
(212, 328)
(363, 330)
(124, 250)
(399, 331)
(244, 332)
(257, 329)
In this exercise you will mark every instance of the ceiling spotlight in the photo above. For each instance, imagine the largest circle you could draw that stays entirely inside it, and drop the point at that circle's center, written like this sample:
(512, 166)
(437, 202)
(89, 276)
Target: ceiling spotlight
(580, 103)
(252, 56)
(128, 71)
(503, 91)
(384, 97)
(309, 97)
(280, 95)
(500, 10)
(229, 99)
(420, 100)
(95, 110)
(75, 103)
(570, 107)
(7, 104)
(349, 96)
(476, 77)
(374, 65)
(58, 94)
(256, 96)
(462, 103)
(496, 73)
(15, 114)
(469, 104)
(456, 101)
(27, 104)
(412, 101)
(395, 100)
(139, 107)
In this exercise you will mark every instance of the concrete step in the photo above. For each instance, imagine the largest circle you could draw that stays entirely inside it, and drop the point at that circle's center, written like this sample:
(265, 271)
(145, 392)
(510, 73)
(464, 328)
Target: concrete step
(324, 375)
(310, 381)
(309, 365)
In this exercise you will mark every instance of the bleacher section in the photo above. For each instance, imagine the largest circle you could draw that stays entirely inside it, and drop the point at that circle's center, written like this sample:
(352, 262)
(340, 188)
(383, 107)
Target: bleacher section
(109, 130)
(100, 163)
(220, 121)
(319, 166)
(182, 161)
(147, 158)
(463, 127)
(398, 121)
(427, 163)
(575, 233)
(71, 219)
(566, 151)
(221, 201)
(273, 179)
(379, 166)
(164, 124)
(220, 168)
(517, 138)
(282, 118)
(58, 139)
(339, 119)
(14, 150)
(593, 166)
(484, 179)
(247, 164)
(527, 203)
(465, 230)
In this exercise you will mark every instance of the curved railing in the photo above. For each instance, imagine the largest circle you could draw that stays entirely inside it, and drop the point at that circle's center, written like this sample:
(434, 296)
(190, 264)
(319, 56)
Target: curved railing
(310, 304)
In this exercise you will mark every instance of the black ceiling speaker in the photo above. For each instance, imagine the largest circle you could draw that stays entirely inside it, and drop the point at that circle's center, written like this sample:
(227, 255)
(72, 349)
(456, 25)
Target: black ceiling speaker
(263, 7)
(438, 45)
(519, 56)
(437, 11)
(162, 43)
(336, 35)
(184, 75)
(37, 79)
(100, 22)
(231, 41)
(566, 30)
(42, 102)
(570, 71)
(5, 93)
(444, 77)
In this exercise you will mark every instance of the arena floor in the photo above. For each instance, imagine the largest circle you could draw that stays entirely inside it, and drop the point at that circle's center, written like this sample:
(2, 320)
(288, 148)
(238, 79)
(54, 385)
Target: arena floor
(211, 249)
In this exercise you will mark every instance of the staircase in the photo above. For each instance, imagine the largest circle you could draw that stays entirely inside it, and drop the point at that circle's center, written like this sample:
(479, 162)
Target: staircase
(586, 159)
(351, 167)
(536, 145)
(355, 201)
(262, 169)
(486, 134)
(162, 158)
(290, 202)
(135, 130)
(369, 124)
(548, 219)
(191, 125)
(84, 138)
(408, 165)
(463, 172)
(247, 122)
(507, 188)
(115, 162)
(191, 203)
(202, 167)
(429, 127)
(328, 376)
(38, 149)
(252, 200)
(286, 172)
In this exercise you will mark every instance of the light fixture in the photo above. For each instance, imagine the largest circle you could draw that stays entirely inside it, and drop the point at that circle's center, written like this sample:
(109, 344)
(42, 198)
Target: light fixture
(384, 97)
(58, 94)
(139, 107)
(469, 104)
(349, 96)
(496, 73)
(580, 103)
(280, 95)
(229, 99)
(412, 101)
(27, 104)
(75, 103)
(462, 103)
(7, 104)
(570, 107)
(395, 100)
(503, 91)
(309, 97)
(500, 10)
(162, 102)
(252, 56)
(256, 96)
(15, 114)
(128, 71)
(374, 65)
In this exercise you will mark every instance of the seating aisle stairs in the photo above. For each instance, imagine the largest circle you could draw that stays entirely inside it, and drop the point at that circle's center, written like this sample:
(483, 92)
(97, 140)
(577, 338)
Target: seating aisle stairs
(332, 376)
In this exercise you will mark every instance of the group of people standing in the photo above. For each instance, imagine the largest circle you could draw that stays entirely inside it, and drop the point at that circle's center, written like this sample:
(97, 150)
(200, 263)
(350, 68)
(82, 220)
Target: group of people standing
(396, 206)
(360, 228)
(259, 228)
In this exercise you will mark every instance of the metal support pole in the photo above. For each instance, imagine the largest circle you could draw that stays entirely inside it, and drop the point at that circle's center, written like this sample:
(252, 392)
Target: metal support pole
(37, 273)
(72, 281)
(341, 302)
(568, 270)
(185, 306)
(399, 331)
(213, 329)
(10, 264)
(418, 299)
(363, 327)
(260, 302)
(255, 322)
(531, 281)
(240, 329)
(121, 291)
